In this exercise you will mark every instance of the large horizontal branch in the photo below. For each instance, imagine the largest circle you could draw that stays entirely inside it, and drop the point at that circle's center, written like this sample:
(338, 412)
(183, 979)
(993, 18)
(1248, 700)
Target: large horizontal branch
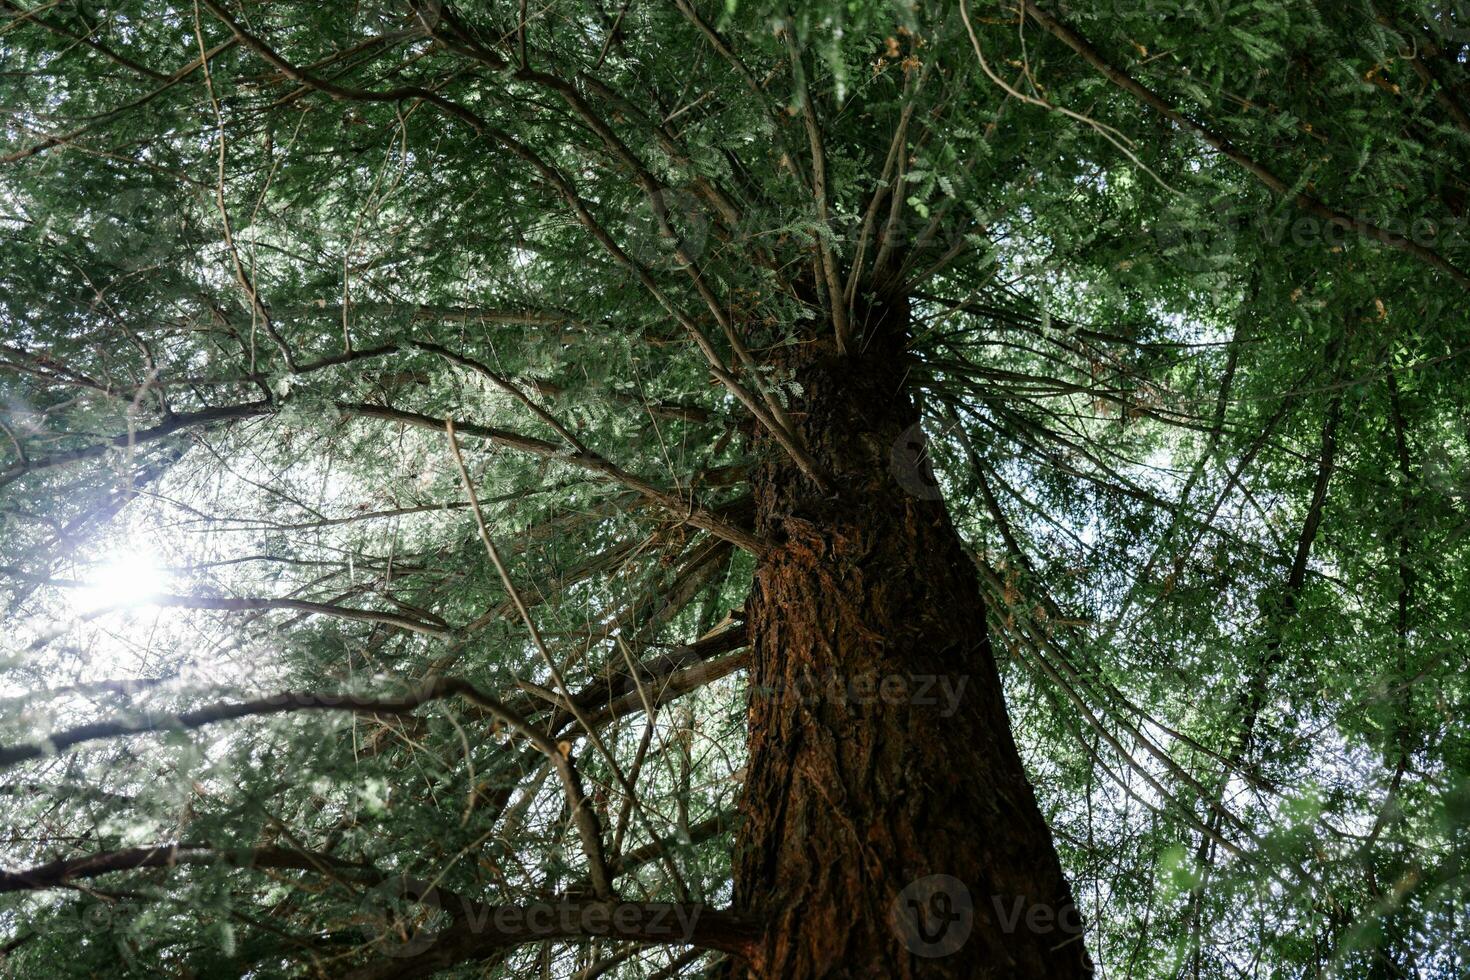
(117, 57)
(432, 690)
(477, 930)
(170, 425)
(276, 704)
(63, 139)
(663, 678)
(61, 873)
(698, 833)
(672, 410)
(658, 409)
(481, 931)
(251, 604)
(433, 313)
(670, 687)
(686, 511)
(243, 604)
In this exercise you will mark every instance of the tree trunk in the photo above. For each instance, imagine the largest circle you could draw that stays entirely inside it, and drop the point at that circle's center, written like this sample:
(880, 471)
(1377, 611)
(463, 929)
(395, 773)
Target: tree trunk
(888, 828)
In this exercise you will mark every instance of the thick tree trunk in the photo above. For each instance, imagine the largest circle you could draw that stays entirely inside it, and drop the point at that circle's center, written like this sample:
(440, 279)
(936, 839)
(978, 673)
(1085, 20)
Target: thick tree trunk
(888, 828)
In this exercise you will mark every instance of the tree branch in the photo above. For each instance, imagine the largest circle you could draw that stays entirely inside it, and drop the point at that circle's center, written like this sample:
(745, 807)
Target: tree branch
(1267, 177)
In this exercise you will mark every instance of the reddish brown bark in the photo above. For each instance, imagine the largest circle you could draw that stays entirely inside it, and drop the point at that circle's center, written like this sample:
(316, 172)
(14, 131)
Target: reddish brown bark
(880, 749)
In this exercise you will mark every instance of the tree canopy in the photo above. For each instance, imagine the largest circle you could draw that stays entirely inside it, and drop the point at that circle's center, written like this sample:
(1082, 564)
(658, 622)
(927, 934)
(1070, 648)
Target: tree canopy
(381, 384)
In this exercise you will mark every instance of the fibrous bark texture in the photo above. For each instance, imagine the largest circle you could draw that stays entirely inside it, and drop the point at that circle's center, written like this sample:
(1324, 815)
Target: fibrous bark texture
(888, 827)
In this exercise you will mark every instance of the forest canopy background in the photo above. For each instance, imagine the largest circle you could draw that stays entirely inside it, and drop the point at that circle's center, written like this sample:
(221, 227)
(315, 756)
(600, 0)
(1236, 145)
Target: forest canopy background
(1188, 305)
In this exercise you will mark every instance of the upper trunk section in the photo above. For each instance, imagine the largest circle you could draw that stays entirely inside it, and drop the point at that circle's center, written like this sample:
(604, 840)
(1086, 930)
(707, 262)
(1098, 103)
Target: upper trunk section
(889, 829)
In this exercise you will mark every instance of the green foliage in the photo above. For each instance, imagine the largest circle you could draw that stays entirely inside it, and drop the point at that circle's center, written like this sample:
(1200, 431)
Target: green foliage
(1210, 449)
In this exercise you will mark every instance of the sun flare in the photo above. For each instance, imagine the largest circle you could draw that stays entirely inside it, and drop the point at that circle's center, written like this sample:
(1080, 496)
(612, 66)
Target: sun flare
(122, 581)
